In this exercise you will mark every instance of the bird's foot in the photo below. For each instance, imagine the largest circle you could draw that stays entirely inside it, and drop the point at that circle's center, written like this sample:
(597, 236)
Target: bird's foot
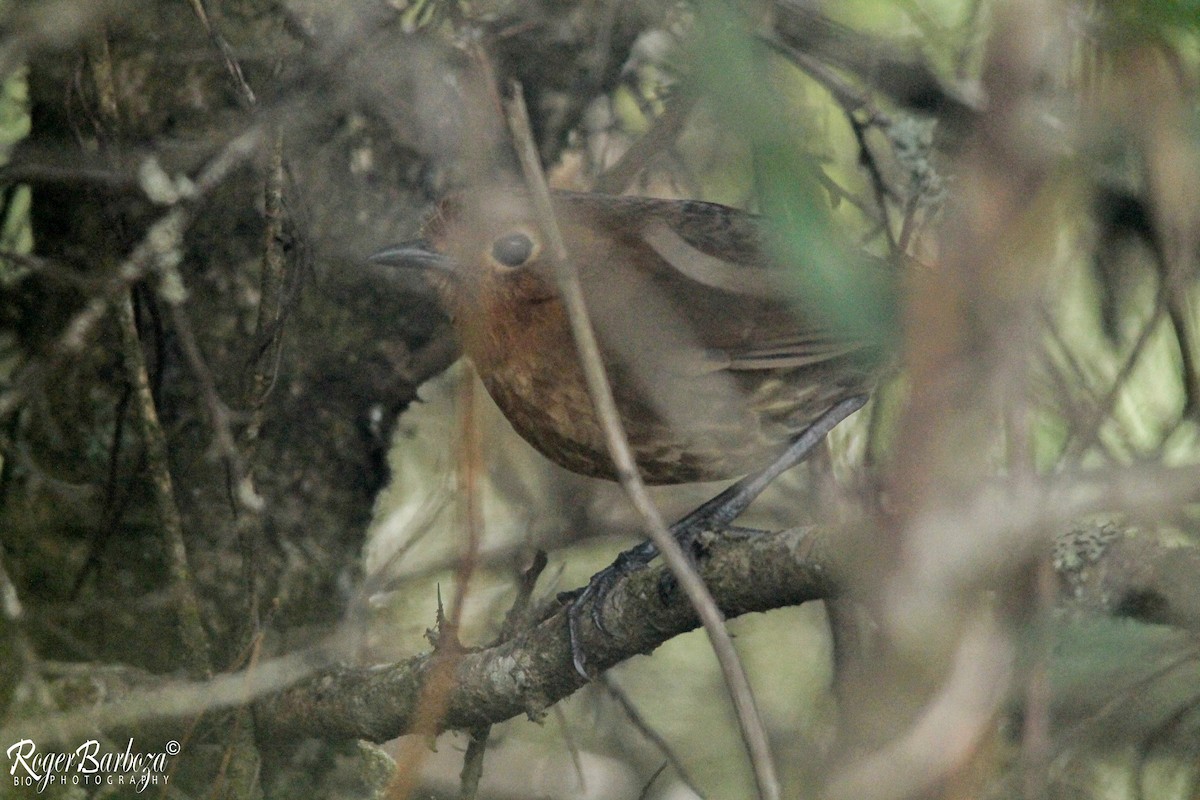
(716, 515)
(689, 532)
(594, 595)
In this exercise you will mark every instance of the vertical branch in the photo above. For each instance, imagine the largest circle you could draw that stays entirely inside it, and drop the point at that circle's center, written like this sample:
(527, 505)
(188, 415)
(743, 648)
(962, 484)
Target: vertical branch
(268, 345)
(472, 770)
(197, 648)
(753, 732)
(947, 650)
(448, 651)
(470, 465)
(191, 628)
(268, 336)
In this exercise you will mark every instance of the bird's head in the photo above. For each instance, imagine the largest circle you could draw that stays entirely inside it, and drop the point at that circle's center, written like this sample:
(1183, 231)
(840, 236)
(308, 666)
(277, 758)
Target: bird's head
(480, 249)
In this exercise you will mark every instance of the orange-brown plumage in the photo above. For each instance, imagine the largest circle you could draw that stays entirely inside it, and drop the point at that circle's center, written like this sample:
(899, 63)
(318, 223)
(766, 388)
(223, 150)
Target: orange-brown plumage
(713, 368)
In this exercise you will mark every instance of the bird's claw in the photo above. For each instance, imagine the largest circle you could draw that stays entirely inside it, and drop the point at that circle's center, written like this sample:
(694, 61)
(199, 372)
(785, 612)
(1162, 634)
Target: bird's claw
(595, 594)
(688, 532)
(573, 611)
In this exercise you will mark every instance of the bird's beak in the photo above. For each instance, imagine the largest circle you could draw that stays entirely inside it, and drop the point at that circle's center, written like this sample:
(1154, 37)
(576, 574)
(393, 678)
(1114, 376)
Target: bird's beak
(416, 254)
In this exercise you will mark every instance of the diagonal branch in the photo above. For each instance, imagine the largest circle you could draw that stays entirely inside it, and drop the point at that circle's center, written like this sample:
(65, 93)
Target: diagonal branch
(301, 695)
(534, 669)
(749, 720)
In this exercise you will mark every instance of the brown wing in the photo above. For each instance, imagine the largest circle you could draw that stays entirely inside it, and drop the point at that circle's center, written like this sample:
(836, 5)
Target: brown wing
(707, 260)
(710, 360)
(794, 353)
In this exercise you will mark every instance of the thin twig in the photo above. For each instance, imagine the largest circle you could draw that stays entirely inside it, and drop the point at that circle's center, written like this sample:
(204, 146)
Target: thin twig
(245, 93)
(439, 685)
(157, 250)
(650, 783)
(1081, 438)
(878, 184)
(838, 193)
(848, 96)
(528, 580)
(472, 770)
(665, 130)
(1124, 696)
(908, 224)
(852, 100)
(643, 727)
(114, 503)
(220, 417)
(572, 748)
(1075, 380)
(268, 333)
(753, 731)
(191, 628)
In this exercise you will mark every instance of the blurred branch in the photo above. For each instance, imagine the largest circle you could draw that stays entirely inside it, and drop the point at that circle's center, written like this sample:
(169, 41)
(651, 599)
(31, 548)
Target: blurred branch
(750, 721)
(1110, 570)
(642, 726)
(960, 540)
(901, 75)
(1007, 519)
(662, 135)
(195, 638)
(158, 251)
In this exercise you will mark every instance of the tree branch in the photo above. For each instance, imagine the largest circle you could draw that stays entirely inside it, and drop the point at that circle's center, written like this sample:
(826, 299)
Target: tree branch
(534, 669)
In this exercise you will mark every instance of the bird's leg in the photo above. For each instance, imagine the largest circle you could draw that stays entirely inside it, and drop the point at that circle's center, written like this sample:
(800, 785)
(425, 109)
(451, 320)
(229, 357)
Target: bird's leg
(714, 514)
(719, 512)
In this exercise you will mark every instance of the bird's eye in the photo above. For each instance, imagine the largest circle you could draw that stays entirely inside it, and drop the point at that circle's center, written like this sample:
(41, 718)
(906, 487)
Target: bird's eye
(512, 250)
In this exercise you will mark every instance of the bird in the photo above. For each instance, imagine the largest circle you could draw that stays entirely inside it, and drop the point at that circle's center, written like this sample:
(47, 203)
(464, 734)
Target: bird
(717, 369)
